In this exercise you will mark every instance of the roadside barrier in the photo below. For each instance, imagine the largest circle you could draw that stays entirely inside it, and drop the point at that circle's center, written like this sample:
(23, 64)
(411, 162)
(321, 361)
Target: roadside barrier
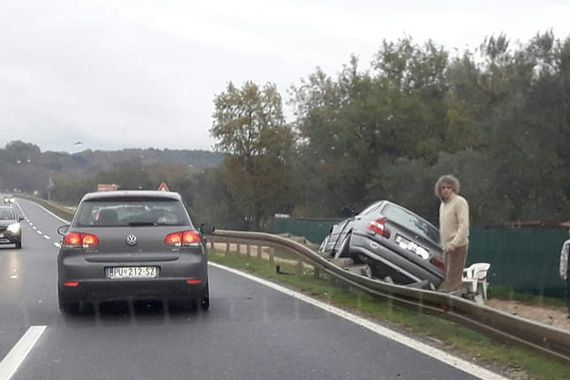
(503, 326)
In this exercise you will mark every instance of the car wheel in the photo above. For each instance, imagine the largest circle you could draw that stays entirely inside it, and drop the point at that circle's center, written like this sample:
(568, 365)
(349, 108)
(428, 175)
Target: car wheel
(205, 300)
(342, 250)
(19, 244)
(66, 306)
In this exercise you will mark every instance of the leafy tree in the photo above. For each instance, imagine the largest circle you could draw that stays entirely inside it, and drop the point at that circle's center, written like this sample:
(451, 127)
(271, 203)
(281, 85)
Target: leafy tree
(250, 128)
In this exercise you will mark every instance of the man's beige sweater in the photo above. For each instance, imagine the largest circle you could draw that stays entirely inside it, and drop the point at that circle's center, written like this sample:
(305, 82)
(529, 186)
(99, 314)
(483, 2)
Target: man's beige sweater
(454, 222)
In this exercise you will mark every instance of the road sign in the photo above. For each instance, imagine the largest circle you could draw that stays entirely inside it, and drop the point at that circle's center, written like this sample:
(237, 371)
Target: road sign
(163, 187)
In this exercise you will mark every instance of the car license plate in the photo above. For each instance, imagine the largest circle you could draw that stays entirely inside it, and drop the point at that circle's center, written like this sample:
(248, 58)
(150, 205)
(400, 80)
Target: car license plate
(412, 247)
(131, 272)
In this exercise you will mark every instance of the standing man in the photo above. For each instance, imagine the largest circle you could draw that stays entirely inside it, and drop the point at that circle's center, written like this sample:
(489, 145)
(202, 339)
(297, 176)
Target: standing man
(453, 230)
(564, 272)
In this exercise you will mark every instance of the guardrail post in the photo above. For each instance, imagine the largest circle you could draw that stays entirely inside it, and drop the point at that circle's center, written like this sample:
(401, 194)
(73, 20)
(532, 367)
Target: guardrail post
(299, 266)
(238, 248)
(316, 273)
(248, 250)
(227, 247)
(271, 256)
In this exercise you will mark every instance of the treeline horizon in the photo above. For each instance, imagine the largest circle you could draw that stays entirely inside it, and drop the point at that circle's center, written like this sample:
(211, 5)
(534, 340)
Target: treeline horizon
(497, 117)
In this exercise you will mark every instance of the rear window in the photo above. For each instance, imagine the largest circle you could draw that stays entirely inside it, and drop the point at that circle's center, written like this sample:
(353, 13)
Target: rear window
(412, 222)
(131, 212)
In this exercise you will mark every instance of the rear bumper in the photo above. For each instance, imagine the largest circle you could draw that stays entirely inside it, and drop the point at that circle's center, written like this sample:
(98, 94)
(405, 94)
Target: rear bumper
(105, 290)
(170, 283)
(383, 259)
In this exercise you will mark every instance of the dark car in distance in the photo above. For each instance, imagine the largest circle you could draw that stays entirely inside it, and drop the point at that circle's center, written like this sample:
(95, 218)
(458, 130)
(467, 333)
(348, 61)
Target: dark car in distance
(129, 245)
(395, 242)
(10, 228)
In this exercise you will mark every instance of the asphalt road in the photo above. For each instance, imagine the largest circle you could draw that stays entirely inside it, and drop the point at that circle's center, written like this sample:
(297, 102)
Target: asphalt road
(251, 331)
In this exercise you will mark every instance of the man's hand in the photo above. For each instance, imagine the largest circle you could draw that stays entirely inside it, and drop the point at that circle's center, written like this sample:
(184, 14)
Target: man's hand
(449, 248)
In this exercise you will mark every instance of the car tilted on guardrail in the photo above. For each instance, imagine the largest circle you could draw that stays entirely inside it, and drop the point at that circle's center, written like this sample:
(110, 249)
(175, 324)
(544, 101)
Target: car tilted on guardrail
(132, 245)
(397, 244)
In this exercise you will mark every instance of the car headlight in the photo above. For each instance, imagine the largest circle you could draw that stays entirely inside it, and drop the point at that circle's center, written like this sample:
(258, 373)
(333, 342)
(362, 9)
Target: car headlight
(14, 228)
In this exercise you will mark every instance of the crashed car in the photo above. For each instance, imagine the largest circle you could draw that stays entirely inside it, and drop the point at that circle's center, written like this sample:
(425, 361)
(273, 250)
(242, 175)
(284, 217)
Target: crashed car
(398, 245)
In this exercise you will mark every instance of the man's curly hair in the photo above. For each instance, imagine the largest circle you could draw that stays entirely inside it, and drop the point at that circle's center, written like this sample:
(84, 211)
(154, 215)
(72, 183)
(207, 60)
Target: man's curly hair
(448, 180)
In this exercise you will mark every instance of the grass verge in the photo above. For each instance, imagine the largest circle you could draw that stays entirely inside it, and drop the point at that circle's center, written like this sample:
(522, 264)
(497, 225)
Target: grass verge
(512, 361)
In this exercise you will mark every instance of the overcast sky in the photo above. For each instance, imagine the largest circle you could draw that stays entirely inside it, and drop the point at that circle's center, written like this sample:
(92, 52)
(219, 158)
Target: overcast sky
(138, 74)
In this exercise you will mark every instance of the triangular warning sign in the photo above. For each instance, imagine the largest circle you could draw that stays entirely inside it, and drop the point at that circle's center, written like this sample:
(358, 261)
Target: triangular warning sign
(163, 187)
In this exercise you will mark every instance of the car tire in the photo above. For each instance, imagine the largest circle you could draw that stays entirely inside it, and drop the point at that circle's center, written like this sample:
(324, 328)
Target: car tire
(66, 306)
(204, 301)
(342, 250)
(18, 244)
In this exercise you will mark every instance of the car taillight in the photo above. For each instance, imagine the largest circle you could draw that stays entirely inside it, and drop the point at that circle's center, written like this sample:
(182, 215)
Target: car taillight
(77, 240)
(378, 227)
(185, 239)
(438, 263)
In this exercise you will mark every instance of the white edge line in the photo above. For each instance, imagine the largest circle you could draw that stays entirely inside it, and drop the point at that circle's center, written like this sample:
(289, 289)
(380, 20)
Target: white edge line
(51, 213)
(12, 361)
(435, 353)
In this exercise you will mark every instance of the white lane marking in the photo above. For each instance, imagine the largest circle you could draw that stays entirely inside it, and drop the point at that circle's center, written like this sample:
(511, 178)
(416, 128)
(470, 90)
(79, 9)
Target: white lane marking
(51, 213)
(57, 245)
(9, 365)
(34, 227)
(423, 348)
(39, 232)
(47, 237)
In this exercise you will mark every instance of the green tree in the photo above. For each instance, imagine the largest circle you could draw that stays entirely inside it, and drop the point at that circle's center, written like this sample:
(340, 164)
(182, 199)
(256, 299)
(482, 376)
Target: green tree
(250, 128)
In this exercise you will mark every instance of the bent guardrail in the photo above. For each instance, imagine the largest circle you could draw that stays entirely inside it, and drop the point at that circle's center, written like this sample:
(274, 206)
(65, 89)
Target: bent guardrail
(550, 340)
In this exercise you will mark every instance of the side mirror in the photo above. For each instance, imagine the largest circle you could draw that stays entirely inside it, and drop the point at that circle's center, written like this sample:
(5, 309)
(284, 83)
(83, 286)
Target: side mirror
(347, 212)
(206, 229)
(62, 230)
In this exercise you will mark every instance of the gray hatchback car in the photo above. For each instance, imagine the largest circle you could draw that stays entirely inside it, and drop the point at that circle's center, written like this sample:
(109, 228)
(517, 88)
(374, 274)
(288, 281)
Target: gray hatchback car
(128, 245)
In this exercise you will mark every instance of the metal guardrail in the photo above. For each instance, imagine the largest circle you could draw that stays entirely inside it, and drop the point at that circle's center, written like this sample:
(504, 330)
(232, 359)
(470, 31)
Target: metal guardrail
(506, 327)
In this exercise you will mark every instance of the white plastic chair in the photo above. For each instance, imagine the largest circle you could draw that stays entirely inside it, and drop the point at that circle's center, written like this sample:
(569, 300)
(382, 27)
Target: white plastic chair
(476, 275)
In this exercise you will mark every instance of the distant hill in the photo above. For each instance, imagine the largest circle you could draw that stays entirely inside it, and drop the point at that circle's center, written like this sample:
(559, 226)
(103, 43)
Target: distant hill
(25, 167)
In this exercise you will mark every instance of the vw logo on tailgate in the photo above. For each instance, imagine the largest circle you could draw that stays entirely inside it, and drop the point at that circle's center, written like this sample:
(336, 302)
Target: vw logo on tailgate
(131, 240)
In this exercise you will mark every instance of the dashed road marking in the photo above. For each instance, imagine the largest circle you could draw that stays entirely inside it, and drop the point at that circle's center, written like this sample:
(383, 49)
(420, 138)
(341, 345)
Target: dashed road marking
(57, 245)
(40, 232)
(12, 361)
(47, 237)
